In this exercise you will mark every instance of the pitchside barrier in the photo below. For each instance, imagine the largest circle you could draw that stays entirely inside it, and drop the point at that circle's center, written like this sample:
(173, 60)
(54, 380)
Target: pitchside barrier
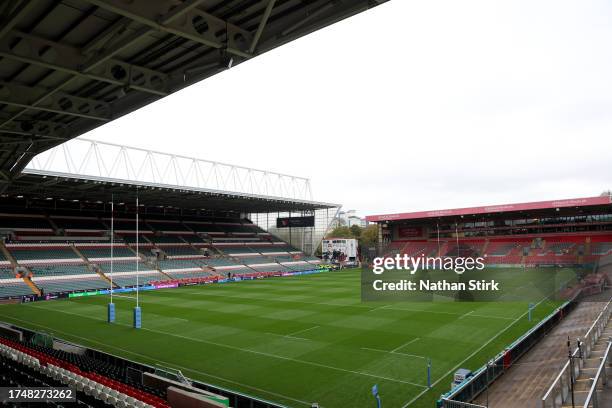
(602, 376)
(559, 390)
(135, 372)
(458, 404)
(467, 391)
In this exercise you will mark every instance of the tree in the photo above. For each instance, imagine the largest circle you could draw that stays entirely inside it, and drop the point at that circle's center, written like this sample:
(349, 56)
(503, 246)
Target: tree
(356, 231)
(369, 236)
(340, 232)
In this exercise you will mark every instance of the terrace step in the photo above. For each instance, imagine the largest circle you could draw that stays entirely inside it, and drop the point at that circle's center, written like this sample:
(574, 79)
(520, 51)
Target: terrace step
(583, 384)
(591, 362)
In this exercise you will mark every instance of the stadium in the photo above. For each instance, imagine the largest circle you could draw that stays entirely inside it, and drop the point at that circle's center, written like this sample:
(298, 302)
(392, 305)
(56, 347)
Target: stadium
(131, 277)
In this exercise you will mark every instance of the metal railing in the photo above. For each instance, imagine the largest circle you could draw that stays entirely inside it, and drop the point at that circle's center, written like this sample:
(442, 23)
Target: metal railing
(448, 403)
(597, 328)
(560, 388)
(591, 399)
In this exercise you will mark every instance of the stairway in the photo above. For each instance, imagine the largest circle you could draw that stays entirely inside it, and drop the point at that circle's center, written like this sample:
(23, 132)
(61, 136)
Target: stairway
(57, 230)
(443, 249)
(7, 254)
(158, 269)
(485, 247)
(79, 253)
(587, 246)
(585, 379)
(32, 285)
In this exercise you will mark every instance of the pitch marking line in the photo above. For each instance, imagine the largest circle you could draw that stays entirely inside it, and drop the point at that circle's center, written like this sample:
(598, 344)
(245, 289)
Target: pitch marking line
(293, 335)
(451, 313)
(278, 300)
(466, 314)
(287, 337)
(161, 361)
(490, 317)
(124, 296)
(393, 352)
(405, 344)
(245, 350)
(378, 308)
(472, 355)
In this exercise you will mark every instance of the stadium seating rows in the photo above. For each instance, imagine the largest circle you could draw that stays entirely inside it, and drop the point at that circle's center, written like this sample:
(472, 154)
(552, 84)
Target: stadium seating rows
(123, 267)
(547, 250)
(181, 250)
(59, 261)
(100, 253)
(59, 270)
(601, 248)
(21, 223)
(14, 289)
(106, 384)
(179, 264)
(43, 253)
(79, 223)
(178, 274)
(70, 285)
(138, 279)
(253, 260)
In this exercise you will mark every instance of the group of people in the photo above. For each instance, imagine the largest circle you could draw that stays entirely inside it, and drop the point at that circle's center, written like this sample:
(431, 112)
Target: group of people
(335, 256)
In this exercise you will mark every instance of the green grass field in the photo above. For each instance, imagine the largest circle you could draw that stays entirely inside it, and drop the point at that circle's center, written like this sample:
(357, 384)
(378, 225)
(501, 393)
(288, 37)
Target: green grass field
(293, 340)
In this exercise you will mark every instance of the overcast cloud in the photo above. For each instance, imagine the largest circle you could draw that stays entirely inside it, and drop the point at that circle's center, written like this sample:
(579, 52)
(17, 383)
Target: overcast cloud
(414, 105)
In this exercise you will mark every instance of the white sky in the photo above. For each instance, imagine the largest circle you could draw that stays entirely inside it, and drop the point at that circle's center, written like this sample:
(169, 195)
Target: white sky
(413, 105)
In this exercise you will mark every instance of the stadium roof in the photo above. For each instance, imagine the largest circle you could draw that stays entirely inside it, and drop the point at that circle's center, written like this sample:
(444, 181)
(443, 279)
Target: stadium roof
(588, 202)
(41, 184)
(91, 171)
(69, 66)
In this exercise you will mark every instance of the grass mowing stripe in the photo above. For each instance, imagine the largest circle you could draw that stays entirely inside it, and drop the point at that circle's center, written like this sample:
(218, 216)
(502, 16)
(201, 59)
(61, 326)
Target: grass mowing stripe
(405, 344)
(213, 343)
(165, 362)
(301, 331)
(461, 315)
(250, 320)
(474, 353)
